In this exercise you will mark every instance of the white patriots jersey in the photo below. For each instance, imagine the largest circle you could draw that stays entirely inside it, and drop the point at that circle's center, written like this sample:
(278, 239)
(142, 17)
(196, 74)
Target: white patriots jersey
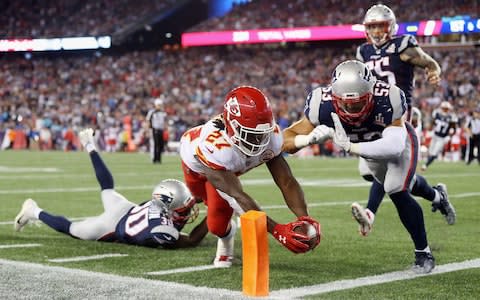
(207, 145)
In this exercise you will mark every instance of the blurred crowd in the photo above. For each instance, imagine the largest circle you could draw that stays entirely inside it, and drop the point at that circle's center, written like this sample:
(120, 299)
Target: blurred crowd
(68, 93)
(46, 100)
(54, 18)
(303, 13)
(69, 18)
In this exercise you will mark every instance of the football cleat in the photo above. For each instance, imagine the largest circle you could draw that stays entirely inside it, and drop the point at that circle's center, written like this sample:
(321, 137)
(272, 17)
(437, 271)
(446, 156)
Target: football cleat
(223, 261)
(364, 217)
(25, 215)
(424, 168)
(225, 247)
(444, 206)
(424, 262)
(86, 137)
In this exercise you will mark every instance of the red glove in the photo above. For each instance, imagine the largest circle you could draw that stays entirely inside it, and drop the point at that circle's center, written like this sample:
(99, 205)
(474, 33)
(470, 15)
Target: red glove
(290, 239)
(317, 227)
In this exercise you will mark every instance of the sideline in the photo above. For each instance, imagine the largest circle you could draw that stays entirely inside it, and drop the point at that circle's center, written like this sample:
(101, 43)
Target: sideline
(30, 280)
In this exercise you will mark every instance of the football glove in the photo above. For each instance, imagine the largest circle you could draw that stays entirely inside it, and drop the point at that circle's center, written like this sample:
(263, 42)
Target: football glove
(285, 234)
(315, 225)
(340, 138)
(319, 134)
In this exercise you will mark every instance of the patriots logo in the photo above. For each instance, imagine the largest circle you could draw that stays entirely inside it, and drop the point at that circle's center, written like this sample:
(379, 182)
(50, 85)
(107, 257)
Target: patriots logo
(233, 107)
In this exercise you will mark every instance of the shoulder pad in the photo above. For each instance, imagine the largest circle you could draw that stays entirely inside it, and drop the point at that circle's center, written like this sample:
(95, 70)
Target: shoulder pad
(406, 41)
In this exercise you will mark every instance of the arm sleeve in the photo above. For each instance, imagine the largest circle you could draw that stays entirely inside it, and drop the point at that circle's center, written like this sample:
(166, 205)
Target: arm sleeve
(391, 144)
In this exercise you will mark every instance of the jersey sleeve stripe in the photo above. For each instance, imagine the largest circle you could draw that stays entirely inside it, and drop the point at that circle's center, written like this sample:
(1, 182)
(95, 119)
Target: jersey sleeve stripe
(314, 105)
(201, 157)
(398, 101)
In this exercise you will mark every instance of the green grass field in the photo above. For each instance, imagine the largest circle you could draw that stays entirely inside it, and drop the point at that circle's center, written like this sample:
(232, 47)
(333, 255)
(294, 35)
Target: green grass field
(64, 183)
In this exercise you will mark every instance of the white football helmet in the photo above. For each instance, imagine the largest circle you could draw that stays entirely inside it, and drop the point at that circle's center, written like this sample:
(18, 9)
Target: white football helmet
(380, 17)
(352, 91)
(445, 107)
(175, 197)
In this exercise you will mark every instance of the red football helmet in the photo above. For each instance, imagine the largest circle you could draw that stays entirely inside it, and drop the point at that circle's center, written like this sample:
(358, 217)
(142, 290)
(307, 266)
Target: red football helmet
(248, 119)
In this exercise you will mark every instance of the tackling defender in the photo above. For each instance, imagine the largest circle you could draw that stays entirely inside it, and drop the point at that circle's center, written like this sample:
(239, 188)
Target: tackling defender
(213, 156)
(155, 223)
(371, 113)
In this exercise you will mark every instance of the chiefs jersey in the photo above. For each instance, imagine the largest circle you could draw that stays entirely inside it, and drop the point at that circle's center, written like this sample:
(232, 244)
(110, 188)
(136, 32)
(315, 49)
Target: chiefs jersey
(389, 105)
(386, 65)
(208, 145)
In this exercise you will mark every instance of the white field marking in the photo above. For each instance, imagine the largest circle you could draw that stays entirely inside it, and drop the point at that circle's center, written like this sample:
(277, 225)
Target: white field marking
(5, 169)
(202, 211)
(182, 270)
(61, 175)
(76, 190)
(369, 280)
(84, 258)
(322, 183)
(31, 280)
(281, 206)
(19, 246)
(313, 182)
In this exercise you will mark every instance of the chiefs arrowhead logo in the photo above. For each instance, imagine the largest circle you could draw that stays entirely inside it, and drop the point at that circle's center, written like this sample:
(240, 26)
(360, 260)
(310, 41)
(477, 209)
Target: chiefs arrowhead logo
(233, 107)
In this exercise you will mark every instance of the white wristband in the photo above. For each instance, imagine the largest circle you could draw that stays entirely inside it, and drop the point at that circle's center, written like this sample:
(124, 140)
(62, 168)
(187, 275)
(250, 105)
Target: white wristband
(301, 141)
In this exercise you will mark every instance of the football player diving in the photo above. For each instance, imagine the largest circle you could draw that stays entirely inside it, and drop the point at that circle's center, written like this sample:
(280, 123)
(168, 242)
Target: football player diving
(214, 154)
(366, 117)
(154, 223)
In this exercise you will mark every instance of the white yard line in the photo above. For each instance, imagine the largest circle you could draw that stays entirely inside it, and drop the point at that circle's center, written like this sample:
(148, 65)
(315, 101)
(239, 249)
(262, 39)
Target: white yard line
(182, 270)
(35, 280)
(369, 280)
(310, 204)
(19, 246)
(84, 258)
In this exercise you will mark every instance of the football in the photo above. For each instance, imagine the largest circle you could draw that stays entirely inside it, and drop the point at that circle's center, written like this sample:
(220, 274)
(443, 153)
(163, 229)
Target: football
(308, 229)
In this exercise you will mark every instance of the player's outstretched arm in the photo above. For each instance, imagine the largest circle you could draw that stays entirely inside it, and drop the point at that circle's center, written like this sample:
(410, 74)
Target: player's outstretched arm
(194, 238)
(302, 133)
(288, 185)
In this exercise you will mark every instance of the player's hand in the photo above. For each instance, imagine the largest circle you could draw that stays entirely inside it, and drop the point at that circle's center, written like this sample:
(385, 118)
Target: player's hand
(315, 225)
(290, 239)
(320, 134)
(433, 76)
(340, 138)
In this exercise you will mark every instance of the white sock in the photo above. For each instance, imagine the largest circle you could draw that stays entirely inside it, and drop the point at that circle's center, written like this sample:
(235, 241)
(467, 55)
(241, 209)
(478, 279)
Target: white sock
(36, 212)
(437, 197)
(225, 245)
(427, 249)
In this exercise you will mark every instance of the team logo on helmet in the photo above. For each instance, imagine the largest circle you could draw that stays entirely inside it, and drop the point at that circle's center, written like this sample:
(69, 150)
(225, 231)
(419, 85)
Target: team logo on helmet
(233, 107)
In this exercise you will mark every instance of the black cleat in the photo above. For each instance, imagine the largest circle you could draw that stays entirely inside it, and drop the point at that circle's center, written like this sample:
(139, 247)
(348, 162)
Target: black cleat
(424, 262)
(444, 206)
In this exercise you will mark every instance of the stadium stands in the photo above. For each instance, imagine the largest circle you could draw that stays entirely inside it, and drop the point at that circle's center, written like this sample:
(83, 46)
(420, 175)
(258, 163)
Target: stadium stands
(44, 96)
